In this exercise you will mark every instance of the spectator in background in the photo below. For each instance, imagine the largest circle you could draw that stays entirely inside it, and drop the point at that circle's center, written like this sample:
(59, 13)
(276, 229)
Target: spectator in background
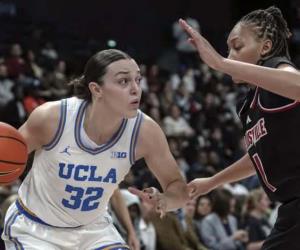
(144, 81)
(32, 68)
(176, 230)
(152, 100)
(189, 81)
(14, 112)
(190, 227)
(139, 214)
(59, 81)
(183, 99)
(54, 84)
(176, 150)
(32, 99)
(148, 233)
(169, 233)
(220, 228)
(166, 97)
(256, 222)
(154, 81)
(175, 125)
(203, 208)
(6, 88)
(120, 208)
(14, 62)
(49, 51)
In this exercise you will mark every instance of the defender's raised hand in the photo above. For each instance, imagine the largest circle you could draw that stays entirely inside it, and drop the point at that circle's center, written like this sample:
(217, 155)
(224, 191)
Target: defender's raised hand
(207, 53)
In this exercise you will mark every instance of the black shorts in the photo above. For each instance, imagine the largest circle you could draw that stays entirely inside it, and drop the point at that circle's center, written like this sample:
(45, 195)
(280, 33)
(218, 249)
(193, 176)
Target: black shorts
(286, 232)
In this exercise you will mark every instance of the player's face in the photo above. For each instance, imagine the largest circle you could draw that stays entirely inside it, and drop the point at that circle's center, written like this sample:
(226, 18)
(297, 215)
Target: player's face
(243, 45)
(121, 88)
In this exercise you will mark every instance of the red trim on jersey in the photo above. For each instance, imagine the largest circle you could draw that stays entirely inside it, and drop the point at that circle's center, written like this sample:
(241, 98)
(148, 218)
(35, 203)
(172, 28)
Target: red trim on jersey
(253, 103)
(263, 175)
(239, 114)
(279, 109)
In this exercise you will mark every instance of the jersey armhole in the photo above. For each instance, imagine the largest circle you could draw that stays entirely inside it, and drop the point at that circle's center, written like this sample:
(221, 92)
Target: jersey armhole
(283, 107)
(134, 136)
(61, 125)
(278, 109)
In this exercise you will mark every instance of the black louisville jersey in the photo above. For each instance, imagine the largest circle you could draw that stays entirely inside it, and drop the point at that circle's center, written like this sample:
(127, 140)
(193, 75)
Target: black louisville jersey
(271, 125)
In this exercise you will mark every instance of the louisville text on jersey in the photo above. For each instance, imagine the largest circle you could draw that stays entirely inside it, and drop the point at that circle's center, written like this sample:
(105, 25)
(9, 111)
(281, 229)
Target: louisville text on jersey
(254, 134)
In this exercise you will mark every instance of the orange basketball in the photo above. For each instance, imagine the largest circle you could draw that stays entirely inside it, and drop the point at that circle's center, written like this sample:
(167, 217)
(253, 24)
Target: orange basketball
(13, 153)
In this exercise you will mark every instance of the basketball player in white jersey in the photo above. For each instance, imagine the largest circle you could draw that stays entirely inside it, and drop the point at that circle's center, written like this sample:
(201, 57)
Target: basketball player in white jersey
(85, 145)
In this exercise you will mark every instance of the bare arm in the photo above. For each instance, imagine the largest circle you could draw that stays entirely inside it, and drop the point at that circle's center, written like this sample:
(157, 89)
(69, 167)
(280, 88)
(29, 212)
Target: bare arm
(239, 170)
(284, 81)
(255, 245)
(153, 146)
(41, 125)
(122, 214)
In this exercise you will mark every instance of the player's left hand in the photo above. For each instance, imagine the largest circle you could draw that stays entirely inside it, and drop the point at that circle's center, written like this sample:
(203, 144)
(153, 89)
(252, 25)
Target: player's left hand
(152, 196)
(207, 53)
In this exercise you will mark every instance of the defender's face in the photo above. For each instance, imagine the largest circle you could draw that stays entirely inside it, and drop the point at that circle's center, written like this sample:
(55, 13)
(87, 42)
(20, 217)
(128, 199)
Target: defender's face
(243, 45)
(121, 88)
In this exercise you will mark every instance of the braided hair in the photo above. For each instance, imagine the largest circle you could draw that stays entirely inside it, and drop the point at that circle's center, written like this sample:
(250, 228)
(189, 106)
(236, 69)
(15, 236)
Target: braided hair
(270, 24)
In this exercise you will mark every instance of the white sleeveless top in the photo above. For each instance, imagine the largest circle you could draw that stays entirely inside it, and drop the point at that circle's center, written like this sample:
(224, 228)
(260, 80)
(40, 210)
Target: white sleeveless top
(72, 178)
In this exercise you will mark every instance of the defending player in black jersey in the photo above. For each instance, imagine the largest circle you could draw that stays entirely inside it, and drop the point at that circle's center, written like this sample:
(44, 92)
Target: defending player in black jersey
(270, 114)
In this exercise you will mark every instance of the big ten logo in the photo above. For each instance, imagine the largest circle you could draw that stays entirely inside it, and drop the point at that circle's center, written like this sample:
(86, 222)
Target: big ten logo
(118, 155)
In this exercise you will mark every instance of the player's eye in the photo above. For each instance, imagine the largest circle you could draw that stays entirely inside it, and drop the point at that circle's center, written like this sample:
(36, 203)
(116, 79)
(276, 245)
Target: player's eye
(123, 81)
(138, 80)
(237, 47)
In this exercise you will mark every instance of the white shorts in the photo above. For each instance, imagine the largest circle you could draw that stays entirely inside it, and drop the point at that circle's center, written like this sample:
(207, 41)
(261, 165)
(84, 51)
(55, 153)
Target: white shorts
(22, 232)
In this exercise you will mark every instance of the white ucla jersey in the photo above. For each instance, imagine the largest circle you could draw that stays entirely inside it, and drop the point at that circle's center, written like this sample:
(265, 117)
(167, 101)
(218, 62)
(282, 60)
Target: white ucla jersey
(70, 183)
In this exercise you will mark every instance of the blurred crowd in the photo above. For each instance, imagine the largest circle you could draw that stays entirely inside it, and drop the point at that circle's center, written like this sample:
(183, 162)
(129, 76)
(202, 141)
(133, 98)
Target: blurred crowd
(195, 106)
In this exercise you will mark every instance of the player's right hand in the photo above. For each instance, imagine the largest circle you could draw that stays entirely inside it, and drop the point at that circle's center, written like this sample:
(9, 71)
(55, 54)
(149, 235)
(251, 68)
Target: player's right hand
(200, 186)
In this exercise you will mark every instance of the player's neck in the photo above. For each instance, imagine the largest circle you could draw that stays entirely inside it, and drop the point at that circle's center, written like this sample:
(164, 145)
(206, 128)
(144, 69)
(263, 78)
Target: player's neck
(100, 125)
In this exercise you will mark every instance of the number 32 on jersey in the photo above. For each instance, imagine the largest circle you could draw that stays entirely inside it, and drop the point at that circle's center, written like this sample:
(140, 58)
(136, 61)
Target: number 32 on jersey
(83, 199)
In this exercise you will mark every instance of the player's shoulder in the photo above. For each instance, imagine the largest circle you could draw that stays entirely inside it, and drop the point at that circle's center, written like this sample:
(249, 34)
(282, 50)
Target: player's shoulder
(280, 62)
(287, 67)
(41, 125)
(44, 119)
(149, 127)
(151, 136)
(47, 112)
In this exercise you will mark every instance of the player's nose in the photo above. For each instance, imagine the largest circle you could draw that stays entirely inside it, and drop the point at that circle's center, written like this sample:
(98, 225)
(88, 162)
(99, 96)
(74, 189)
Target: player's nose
(135, 87)
(231, 55)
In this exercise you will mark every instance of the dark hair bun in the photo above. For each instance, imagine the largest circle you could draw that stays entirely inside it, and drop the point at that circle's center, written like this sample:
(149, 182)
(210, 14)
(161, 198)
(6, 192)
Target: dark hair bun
(79, 86)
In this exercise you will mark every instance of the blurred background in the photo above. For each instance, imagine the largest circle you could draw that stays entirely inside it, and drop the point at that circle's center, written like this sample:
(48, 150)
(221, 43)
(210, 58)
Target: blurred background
(143, 28)
(45, 43)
